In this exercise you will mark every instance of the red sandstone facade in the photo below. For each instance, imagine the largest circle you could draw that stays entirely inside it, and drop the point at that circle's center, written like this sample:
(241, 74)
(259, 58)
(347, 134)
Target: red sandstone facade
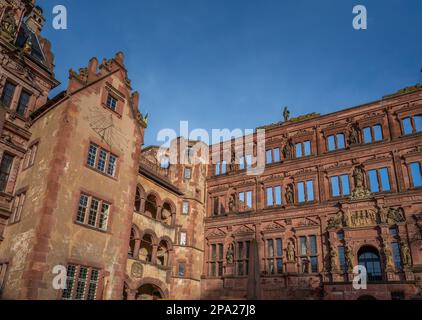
(77, 191)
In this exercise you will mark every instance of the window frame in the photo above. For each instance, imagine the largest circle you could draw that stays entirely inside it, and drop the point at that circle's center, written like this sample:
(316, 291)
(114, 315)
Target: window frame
(380, 180)
(3, 188)
(95, 167)
(3, 93)
(411, 174)
(75, 280)
(99, 215)
(23, 92)
(17, 207)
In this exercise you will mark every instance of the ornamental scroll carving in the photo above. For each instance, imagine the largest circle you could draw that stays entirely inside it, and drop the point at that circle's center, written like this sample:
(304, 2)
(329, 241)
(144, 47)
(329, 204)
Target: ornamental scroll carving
(366, 217)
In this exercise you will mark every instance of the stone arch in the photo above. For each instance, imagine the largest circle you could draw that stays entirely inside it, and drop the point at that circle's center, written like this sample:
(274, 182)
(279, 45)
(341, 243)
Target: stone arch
(132, 287)
(168, 212)
(134, 241)
(153, 205)
(164, 251)
(369, 256)
(139, 205)
(148, 246)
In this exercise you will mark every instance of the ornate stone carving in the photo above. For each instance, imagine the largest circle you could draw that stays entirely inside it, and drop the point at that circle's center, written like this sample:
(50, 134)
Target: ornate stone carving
(232, 203)
(288, 150)
(353, 135)
(286, 114)
(391, 215)
(230, 254)
(290, 199)
(232, 164)
(137, 270)
(349, 258)
(360, 191)
(290, 252)
(333, 259)
(405, 255)
(8, 25)
(360, 218)
(389, 263)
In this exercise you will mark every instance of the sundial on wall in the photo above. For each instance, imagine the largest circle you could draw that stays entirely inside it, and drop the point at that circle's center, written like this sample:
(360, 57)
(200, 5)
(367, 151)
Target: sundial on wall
(103, 124)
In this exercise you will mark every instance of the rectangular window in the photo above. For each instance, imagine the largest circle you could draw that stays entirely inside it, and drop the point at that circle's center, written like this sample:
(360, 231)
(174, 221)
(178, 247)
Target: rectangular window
(310, 190)
(396, 255)
(269, 158)
(92, 155)
(242, 257)
(341, 142)
(407, 126)
(248, 161)
(5, 167)
(372, 134)
(81, 283)
(102, 160)
(340, 186)
(17, 207)
(224, 167)
(188, 173)
(270, 201)
(313, 245)
(242, 163)
(276, 155)
(111, 102)
(301, 192)
(111, 168)
(379, 180)
(377, 133)
(30, 155)
(217, 169)
(183, 239)
(303, 246)
(367, 135)
(331, 141)
(98, 212)
(7, 94)
(185, 207)
(416, 172)
(245, 201)
(23, 103)
(181, 270)
(307, 148)
(273, 196)
(298, 148)
(314, 264)
(418, 122)
(342, 258)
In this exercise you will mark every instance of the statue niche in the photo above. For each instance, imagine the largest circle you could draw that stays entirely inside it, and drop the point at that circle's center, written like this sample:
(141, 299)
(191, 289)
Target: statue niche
(288, 150)
(290, 199)
(360, 192)
(353, 135)
(8, 24)
(230, 254)
(232, 203)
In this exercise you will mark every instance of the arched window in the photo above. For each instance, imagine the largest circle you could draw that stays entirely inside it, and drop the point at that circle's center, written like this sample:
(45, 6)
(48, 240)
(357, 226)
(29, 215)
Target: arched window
(137, 206)
(166, 213)
(163, 254)
(145, 251)
(370, 259)
(151, 206)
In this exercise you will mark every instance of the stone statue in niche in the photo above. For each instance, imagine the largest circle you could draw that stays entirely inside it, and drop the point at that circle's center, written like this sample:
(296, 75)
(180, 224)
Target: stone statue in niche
(333, 259)
(353, 135)
(289, 194)
(290, 252)
(360, 192)
(288, 150)
(230, 254)
(232, 164)
(391, 215)
(389, 264)
(349, 258)
(405, 254)
(232, 203)
(8, 24)
(286, 114)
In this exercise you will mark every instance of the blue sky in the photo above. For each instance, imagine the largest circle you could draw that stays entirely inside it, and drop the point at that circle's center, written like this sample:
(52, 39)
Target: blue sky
(237, 63)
